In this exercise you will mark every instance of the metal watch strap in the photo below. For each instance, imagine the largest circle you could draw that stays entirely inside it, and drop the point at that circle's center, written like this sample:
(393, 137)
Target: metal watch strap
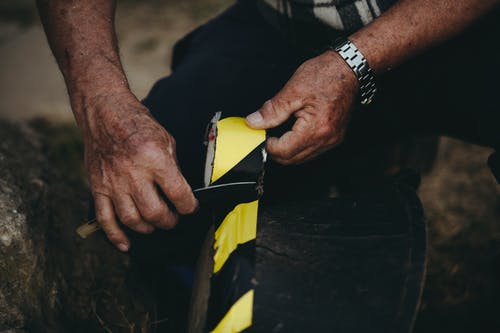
(355, 59)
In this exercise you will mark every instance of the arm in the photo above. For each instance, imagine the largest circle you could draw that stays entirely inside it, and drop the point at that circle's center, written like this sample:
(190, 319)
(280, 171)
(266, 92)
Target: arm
(411, 26)
(322, 91)
(128, 155)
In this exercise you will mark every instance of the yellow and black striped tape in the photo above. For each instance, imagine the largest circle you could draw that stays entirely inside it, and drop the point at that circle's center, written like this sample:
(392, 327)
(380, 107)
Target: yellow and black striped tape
(239, 157)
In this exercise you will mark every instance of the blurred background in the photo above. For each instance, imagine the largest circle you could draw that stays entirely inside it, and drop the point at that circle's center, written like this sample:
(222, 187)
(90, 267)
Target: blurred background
(461, 198)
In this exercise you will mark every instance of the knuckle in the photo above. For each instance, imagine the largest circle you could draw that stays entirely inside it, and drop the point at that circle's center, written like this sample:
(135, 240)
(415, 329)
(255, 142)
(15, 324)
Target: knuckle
(189, 209)
(285, 162)
(138, 226)
(168, 221)
(281, 159)
(145, 229)
(149, 150)
(278, 104)
(114, 237)
(324, 131)
(175, 196)
(267, 107)
(171, 222)
(100, 216)
(132, 224)
(178, 191)
(272, 107)
(156, 151)
(153, 213)
(287, 155)
(103, 218)
(130, 219)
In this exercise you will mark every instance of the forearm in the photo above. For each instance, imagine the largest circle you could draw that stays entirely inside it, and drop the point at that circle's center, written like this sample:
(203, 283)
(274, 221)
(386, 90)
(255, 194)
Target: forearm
(82, 37)
(411, 26)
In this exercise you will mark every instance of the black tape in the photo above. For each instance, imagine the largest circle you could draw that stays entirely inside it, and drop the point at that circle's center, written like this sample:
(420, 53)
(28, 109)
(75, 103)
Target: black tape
(231, 282)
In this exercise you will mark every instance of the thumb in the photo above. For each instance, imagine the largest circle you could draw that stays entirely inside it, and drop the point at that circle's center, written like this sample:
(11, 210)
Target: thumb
(274, 112)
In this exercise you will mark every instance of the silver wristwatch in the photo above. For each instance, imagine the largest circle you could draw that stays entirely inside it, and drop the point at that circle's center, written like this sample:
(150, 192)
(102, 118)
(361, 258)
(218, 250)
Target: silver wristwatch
(355, 59)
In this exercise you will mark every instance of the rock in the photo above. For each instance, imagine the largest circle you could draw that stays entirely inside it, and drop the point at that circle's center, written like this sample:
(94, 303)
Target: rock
(19, 266)
(50, 280)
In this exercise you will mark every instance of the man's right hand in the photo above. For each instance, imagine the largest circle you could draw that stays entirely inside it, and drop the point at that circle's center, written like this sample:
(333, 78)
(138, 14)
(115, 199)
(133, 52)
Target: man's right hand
(132, 166)
(129, 157)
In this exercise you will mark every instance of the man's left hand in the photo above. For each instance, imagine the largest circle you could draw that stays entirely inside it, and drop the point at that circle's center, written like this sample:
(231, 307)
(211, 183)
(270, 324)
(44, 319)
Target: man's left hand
(320, 95)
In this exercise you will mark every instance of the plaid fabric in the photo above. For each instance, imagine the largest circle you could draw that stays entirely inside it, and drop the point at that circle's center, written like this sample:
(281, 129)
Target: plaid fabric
(344, 15)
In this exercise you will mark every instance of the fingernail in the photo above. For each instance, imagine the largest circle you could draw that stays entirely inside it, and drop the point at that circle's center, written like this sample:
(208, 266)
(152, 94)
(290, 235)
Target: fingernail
(123, 247)
(255, 118)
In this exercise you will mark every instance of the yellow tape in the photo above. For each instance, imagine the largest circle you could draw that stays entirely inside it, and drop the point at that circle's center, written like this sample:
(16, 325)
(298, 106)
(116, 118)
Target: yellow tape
(238, 227)
(235, 140)
(239, 316)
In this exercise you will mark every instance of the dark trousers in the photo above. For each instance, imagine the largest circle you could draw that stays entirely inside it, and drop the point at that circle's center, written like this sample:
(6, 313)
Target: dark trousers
(237, 61)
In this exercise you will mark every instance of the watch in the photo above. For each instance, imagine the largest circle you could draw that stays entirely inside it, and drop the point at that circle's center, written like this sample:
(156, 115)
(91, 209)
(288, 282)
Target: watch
(357, 62)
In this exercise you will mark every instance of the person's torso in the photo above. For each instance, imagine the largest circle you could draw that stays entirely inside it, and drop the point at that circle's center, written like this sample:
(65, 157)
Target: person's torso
(342, 15)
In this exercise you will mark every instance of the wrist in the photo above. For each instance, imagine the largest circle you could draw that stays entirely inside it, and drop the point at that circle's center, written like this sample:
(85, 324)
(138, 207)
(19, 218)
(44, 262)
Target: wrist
(94, 83)
(94, 75)
(114, 114)
(340, 67)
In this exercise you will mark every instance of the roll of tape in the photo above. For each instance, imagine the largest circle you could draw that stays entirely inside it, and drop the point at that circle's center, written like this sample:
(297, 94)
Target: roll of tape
(235, 159)
(234, 172)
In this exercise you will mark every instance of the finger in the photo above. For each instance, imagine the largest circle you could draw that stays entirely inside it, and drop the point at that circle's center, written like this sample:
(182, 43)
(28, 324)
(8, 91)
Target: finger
(177, 190)
(275, 111)
(106, 217)
(152, 208)
(306, 155)
(129, 215)
(292, 143)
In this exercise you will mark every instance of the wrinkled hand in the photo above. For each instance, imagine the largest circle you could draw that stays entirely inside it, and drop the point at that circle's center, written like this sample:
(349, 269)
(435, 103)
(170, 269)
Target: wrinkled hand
(320, 95)
(131, 162)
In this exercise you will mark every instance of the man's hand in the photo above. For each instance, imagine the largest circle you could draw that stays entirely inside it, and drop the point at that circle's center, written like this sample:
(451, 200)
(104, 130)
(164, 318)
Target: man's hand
(322, 90)
(132, 167)
(320, 95)
(129, 157)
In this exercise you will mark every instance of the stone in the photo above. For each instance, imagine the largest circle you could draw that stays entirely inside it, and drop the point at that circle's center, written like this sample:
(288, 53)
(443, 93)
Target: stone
(50, 280)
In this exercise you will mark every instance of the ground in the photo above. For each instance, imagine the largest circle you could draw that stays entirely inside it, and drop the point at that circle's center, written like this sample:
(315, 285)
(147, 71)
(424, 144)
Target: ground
(460, 196)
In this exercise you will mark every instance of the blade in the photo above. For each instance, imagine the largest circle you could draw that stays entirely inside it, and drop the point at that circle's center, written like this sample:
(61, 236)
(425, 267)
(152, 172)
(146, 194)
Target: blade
(239, 192)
